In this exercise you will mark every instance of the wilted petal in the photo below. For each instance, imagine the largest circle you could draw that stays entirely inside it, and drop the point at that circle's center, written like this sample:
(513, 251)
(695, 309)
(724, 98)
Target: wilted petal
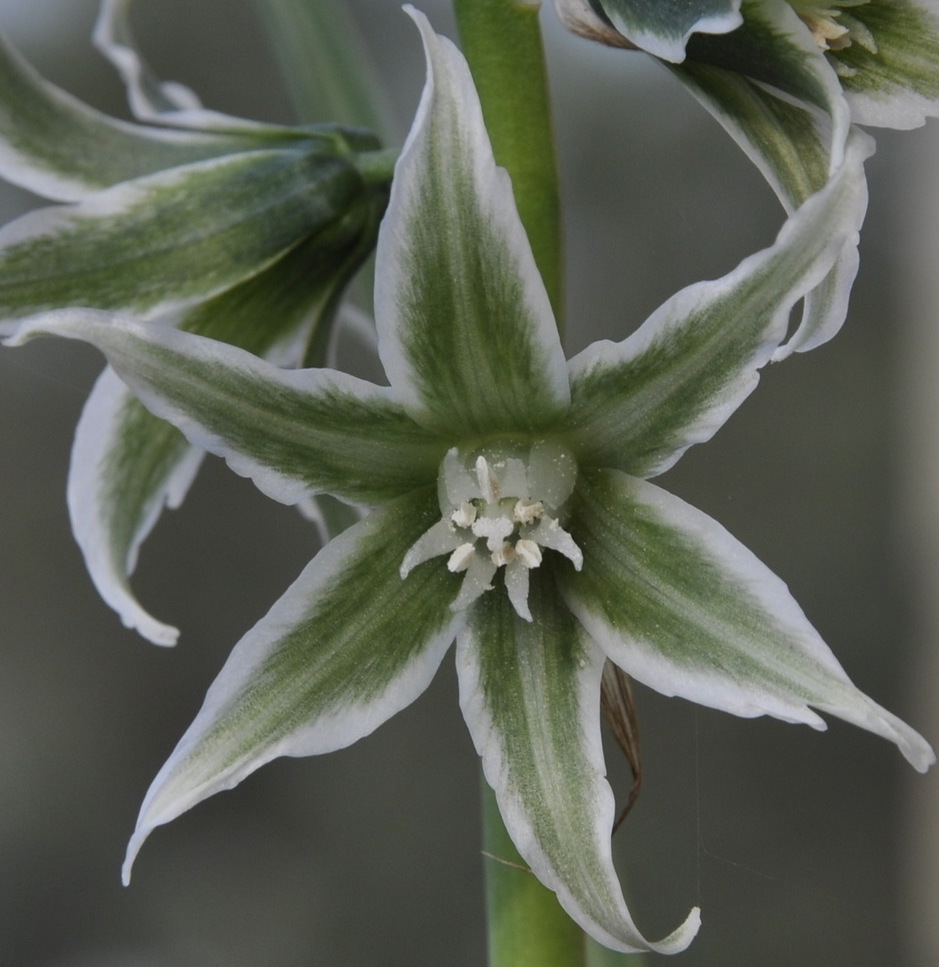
(348, 645)
(58, 147)
(466, 332)
(639, 404)
(530, 693)
(682, 606)
(167, 240)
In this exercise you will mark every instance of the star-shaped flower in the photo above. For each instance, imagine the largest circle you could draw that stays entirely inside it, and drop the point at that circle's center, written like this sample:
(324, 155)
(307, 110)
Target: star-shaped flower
(510, 509)
(241, 231)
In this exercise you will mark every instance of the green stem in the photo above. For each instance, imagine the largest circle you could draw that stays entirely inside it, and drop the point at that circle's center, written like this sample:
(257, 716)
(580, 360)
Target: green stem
(502, 42)
(527, 927)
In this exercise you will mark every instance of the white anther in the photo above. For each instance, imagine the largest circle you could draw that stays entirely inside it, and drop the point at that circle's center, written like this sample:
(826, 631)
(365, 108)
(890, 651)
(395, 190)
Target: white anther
(529, 553)
(461, 558)
(502, 556)
(527, 511)
(464, 515)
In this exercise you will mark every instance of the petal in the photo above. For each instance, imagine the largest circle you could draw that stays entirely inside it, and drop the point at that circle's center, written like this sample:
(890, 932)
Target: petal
(347, 646)
(294, 432)
(775, 48)
(530, 693)
(466, 333)
(663, 29)
(639, 404)
(127, 464)
(792, 146)
(164, 241)
(682, 606)
(898, 85)
(57, 147)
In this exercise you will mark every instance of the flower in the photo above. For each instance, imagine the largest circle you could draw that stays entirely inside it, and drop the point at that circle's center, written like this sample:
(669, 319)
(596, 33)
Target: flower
(510, 509)
(241, 231)
(786, 80)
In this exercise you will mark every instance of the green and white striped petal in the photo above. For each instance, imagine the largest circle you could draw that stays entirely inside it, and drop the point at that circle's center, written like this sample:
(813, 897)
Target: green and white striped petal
(347, 646)
(530, 694)
(161, 242)
(663, 29)
(127, 465)
(639, 404)
(56, 146)
(773, 47)
(890, 72)
(679, 604)
(293, 432)
(466, 332)
(791, 144)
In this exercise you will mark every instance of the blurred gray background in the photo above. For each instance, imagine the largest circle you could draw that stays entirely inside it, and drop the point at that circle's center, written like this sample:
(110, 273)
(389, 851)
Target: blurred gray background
(802, 848)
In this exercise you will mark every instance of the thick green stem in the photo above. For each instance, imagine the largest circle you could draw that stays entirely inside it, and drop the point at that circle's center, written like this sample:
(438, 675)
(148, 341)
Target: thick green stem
(502, 42)
(527, 927)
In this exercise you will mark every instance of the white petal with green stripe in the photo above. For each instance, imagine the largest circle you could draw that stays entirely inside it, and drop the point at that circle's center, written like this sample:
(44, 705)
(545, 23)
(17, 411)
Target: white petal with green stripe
(169, 239)
(466, 332)
(639, 404)
(663, 29)
(127, 465)
(890, 71)
(682, 606)
(792, 146)
(58, 147)
(530, 693)
(294, 432)
(347, 646)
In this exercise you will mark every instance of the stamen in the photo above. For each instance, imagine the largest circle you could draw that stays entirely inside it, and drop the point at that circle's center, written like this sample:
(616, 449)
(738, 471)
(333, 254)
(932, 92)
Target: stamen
(461, 558)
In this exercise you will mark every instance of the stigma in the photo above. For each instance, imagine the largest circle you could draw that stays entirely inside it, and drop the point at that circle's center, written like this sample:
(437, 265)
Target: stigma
(500, 510)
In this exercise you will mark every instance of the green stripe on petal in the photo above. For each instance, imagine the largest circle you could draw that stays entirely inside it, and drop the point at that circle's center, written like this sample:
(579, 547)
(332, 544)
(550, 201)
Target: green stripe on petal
(348, 645)
(682, 606)
(58, 147)
(896, 85)
(466, 331)
(127, 464)
(294, 432)
(774, 47)
(163, 241)
(639, 404)
(792, 146)
(663, 29)
(530, 693)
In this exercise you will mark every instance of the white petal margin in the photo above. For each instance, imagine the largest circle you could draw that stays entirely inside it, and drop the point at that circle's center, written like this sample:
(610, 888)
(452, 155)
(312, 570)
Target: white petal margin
(466, 332)
(530, 694)
(347, 646)
(679, 604)
(112, 507)
(152, 100)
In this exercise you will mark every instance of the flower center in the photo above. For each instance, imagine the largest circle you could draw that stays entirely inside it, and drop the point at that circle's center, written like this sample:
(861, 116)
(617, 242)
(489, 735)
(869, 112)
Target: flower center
(500, 508)
(833, 28)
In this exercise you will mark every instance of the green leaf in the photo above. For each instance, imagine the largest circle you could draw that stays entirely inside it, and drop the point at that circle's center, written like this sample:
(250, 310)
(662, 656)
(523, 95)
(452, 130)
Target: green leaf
(530, 693)
(167, 240)
(294, 432)
(639, 404)
(663, 29)
(466, 331)
(682, 606)
(57, 147)
(895, 85)
(348, 645)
